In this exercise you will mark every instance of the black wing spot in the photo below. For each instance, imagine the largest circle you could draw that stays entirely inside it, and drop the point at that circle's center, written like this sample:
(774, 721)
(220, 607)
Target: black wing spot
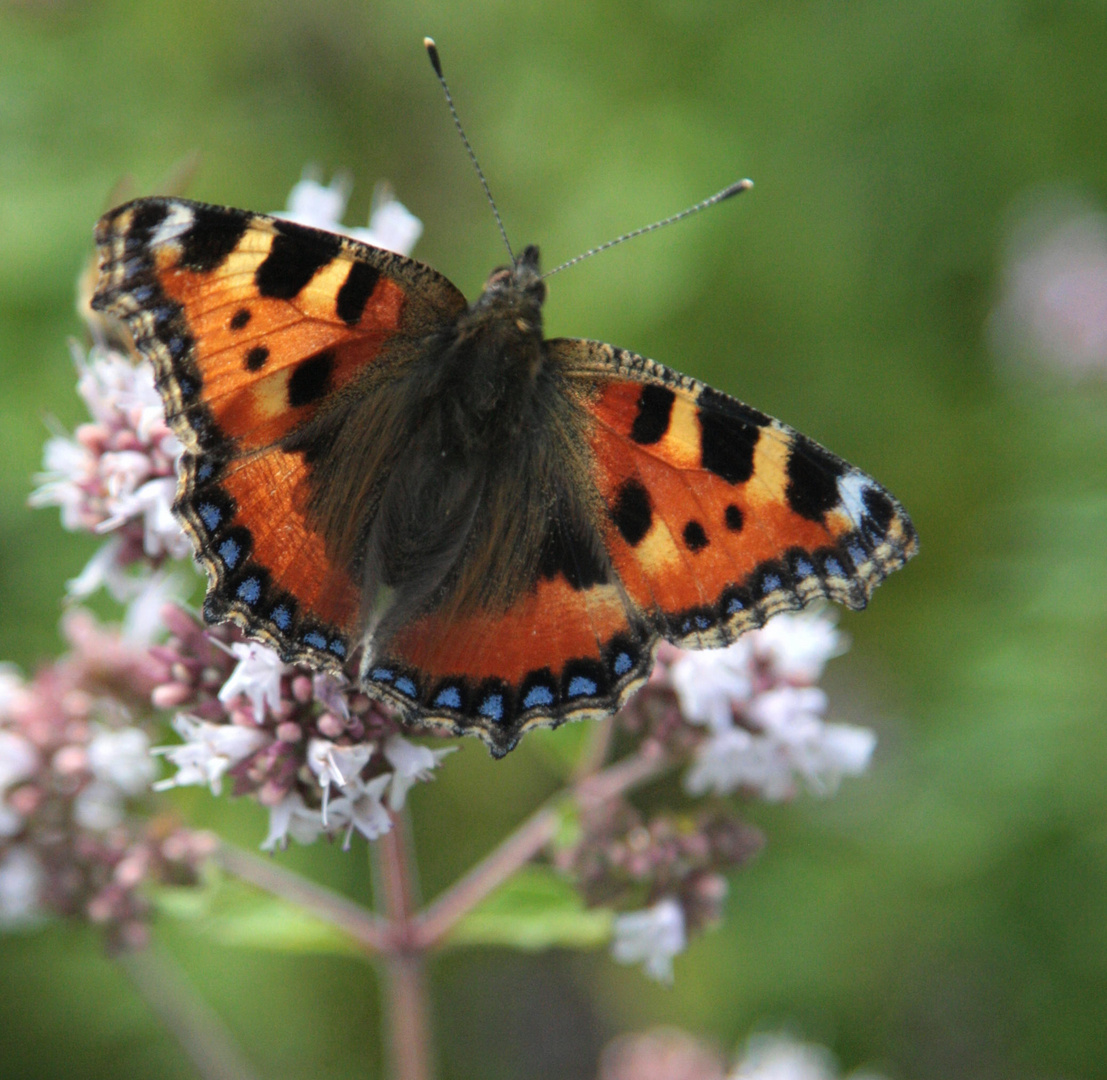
(295, 257)
(655, 408)
(733, 518)
(311, 380)
(240, 318)
(695, 539)
(256, 357)
(146, 218)
(211, 237)
(880, 508)
(729, 432)
(812, 479)
(632, 512)
(355, 292)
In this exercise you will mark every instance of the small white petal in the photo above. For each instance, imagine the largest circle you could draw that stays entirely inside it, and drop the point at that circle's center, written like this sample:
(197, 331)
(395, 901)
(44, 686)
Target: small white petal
(257, 676)
(18, 759)
(411, 762)
(710, 685)
(21, 881)
(651, 937)
(98, 807)
(122, 758)
(208, 752)
(799, 644)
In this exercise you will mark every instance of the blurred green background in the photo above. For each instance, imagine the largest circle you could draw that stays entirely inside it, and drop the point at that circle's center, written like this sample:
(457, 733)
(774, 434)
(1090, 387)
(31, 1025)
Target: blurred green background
(946, 915)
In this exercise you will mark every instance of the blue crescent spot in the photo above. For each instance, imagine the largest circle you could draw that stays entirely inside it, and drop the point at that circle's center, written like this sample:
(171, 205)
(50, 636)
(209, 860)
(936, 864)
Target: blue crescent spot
(702, 622)
(338, 647)
(579, 686)
(249, 590)
(804, 568)
(538, 695)
(734, 605)
(187, 386)
(204, 471)
(316, 640)
(770, 583)
(834, 568)
(492, 707)
(857, 553)
(405, 686)
(449, 697)
(230, 552)
(210, 515)
(282, 617)
(623, 663)
(382, 674)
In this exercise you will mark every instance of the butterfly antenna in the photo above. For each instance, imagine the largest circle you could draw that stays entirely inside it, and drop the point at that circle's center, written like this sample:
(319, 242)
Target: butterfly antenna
(734, 189)
(436, 62)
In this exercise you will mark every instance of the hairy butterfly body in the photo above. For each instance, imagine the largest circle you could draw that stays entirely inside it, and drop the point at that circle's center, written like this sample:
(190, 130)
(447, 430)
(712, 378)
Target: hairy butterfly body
(504, 526)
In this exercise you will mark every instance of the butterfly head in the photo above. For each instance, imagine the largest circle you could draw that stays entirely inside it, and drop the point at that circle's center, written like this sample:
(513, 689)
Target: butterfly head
(517, 291)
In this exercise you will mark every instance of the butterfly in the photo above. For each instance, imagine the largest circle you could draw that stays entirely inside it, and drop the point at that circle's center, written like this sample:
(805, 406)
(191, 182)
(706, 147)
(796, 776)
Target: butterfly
(503, 526)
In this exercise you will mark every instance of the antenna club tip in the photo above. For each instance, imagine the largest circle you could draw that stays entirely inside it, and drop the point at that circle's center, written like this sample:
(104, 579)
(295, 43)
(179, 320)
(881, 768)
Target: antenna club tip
(432, 52)
(737, 188)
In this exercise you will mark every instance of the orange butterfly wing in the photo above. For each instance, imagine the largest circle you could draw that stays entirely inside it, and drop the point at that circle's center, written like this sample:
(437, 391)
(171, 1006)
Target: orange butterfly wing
(713, 517)
(254, 325)
(719, 516)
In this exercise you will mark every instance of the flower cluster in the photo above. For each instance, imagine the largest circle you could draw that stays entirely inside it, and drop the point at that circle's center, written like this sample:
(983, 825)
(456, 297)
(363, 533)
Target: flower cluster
(72, 765)
(323, 757)
(746, 720)
(671, 1054)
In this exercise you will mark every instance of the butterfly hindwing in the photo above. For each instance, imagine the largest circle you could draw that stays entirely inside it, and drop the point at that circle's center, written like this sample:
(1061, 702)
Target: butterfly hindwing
(255, 327)
(717, 515)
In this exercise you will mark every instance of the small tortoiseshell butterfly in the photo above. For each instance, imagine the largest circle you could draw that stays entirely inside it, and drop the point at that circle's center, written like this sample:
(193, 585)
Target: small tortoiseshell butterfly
(505, 526)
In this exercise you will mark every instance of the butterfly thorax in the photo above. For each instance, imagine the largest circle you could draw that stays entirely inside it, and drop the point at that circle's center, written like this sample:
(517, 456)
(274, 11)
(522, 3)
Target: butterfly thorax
(440, 533)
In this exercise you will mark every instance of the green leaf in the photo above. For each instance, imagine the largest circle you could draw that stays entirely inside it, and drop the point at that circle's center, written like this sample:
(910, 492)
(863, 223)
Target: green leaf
(281, 927)
(537, 909)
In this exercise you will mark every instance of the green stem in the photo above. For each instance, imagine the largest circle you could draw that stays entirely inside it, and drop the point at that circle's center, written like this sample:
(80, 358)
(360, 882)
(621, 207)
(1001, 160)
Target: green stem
(199, 1032)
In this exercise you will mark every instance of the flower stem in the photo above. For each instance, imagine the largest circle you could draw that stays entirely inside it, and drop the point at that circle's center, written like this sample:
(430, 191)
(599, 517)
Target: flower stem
(199, 1032)
(407, 1008)
(529, 839)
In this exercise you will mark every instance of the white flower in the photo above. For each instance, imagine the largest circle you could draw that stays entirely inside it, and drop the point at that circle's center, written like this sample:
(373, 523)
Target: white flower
(291, 817)
(711, 684)
(364, 809)
(98, 806)
(776, 1057)
(257, 676)
(142, 621)
(651, 937)
(840, 750)
(153, 502)
(18, 759)
(208, 752)
(391, 224)
(103, 570)
(11, 688)
(334, 764)
(122, 758)
(21, 880)
(798, 645)
(318, 206)
(411, 763)
(790, 714)
(724, 762)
